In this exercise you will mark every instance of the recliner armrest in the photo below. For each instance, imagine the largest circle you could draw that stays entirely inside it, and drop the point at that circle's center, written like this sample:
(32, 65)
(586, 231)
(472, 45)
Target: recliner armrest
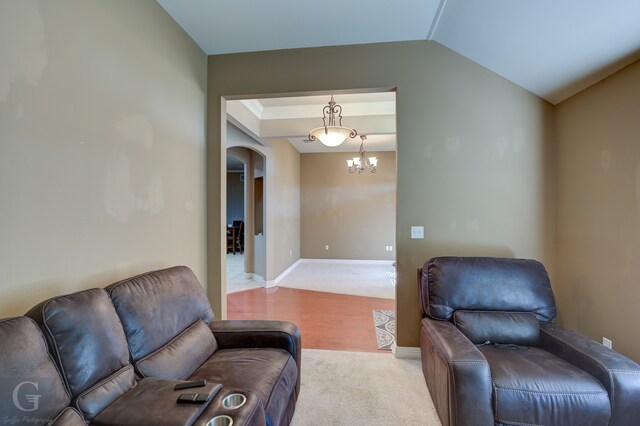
(231, 334)
(619, 375)
(457, 375)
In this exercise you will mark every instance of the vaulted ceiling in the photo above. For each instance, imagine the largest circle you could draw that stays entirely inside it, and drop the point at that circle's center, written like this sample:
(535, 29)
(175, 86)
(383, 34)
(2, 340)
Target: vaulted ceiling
(551, 48)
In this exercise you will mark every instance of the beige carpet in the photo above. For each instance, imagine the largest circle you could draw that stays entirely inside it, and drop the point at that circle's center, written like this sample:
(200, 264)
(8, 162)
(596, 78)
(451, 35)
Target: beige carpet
(358, 388)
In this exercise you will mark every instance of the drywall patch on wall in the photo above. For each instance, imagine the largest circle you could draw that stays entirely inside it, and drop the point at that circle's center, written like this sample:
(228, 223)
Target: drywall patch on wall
(120, 199)
(605, 160)
(473, 225)
(453, 144)
(26, 60)
(502, 144)
(638, 187)
(136, 128)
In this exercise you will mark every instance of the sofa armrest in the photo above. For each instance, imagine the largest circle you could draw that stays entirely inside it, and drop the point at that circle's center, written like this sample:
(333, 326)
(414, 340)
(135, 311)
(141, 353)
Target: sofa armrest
(284, 335)
(457, 375)
(619, 375)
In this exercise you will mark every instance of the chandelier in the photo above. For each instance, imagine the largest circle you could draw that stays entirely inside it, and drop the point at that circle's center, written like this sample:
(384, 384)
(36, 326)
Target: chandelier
(330, 134)
(361, 163)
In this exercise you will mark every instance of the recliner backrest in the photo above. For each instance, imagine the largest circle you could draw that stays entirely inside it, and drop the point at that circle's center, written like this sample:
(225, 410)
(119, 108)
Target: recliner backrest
(449, 284)
(88, 343)
(165, 315)
(31, 385)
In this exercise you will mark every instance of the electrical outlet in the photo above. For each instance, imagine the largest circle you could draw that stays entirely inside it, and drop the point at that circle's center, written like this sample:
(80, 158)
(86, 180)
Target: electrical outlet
(607, 343)
(390, 248)
(417, 232)
(326, 247)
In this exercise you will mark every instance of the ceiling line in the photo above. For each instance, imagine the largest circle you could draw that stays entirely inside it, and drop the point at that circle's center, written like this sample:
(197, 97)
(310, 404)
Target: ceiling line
(436, 19)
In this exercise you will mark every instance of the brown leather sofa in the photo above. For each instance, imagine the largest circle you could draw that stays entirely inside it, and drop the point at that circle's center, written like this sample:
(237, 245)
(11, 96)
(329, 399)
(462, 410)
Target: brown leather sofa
(112, 357)
(491, 355)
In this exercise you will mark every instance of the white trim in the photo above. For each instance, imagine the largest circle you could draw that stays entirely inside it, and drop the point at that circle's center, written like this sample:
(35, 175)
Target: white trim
(315, 111)
(253, 105)
(406, 352)
(348, 261)
(258, 279)
(287, 271)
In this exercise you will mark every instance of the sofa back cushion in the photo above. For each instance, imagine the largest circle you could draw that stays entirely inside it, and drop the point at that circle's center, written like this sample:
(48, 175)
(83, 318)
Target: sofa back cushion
(180, 357)
(516, 328)
(31, 384)
(448, 284)
(157, 306)
(86, 336)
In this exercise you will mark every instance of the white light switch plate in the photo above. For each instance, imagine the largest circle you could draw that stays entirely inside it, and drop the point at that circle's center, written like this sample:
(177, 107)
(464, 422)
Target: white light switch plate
(417, 232)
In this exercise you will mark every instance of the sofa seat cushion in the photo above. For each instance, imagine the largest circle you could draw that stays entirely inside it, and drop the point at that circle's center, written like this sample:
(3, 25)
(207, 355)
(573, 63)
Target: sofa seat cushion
(272, 373)
(68, 417)
(532, 386)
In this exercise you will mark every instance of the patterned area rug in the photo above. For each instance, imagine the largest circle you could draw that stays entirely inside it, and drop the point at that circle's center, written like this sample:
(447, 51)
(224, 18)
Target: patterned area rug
(385, 324)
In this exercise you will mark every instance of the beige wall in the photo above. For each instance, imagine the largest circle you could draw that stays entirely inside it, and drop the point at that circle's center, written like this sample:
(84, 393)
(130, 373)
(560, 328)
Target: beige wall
(598, 279)
(355, 215)
(102, 127)
(475, 152)
(283, 205)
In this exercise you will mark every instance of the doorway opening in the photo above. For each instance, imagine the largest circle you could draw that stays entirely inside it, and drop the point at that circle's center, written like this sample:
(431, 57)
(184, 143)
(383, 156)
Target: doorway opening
(329, 232)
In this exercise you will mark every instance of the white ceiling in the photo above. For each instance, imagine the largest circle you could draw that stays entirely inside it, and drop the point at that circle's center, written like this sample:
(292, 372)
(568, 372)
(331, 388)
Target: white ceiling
(554, 48)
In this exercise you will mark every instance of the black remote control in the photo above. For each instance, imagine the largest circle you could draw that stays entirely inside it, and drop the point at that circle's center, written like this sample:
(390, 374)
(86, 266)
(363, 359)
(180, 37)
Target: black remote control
(194, 398)
(191, 384)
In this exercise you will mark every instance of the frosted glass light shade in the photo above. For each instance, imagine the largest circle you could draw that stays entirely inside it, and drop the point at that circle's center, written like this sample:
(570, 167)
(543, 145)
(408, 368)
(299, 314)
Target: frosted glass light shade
(333, 135)
(349, 163)
(373, 161)
(356, 161)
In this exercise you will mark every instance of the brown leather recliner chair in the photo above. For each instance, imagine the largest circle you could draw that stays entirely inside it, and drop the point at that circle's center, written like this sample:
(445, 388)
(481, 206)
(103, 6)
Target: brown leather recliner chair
(490, 354)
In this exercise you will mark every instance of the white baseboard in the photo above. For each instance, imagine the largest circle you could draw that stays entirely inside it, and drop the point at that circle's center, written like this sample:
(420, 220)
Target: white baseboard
(406, 352)
(274, 283)
(349, 261)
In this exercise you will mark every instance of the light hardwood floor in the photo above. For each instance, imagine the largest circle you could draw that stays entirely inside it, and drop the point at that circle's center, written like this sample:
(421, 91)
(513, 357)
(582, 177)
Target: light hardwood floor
(326, 320)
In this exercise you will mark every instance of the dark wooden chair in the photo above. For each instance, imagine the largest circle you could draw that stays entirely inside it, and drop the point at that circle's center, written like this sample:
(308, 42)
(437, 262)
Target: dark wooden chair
(235, 237)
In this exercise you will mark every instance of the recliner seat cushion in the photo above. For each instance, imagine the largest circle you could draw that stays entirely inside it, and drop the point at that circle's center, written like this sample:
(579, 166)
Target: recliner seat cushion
(153, 402)
(272, 373)
(516, 328)
(532, 386)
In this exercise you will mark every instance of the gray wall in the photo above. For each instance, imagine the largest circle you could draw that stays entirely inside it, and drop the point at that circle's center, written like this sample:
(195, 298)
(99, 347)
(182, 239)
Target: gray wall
(102, 129)
(235, 197)
(598, 279)
(354, 214)
(475, 152)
